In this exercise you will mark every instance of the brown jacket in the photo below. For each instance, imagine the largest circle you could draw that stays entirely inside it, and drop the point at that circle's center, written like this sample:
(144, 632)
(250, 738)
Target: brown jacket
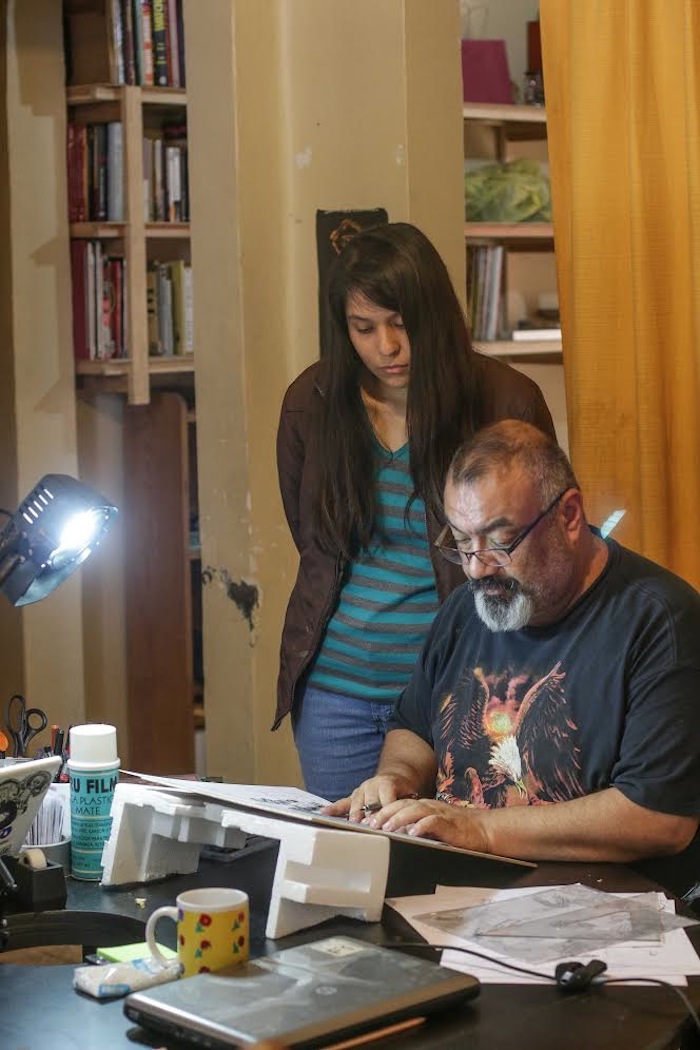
(505, 394)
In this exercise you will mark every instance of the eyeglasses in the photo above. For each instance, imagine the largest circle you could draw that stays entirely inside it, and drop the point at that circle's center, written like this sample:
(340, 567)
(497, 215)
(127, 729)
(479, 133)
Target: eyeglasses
(493, 556)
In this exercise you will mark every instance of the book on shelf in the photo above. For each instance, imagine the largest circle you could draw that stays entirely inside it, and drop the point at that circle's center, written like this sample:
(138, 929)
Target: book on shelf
(160, 41)
(484, 298)
(536, 335)
(99, 303)
(95, 172)
(134, 42)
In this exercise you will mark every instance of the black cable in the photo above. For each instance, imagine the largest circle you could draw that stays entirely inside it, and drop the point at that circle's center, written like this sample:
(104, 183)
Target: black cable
(550, 976)
(7, 513)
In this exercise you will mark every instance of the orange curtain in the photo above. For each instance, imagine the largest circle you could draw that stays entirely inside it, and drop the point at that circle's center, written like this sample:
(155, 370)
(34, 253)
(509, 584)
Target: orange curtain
(623, 115)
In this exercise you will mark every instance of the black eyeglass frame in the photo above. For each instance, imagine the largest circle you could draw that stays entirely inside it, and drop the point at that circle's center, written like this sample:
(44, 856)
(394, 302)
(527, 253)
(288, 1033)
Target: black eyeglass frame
(458, 557)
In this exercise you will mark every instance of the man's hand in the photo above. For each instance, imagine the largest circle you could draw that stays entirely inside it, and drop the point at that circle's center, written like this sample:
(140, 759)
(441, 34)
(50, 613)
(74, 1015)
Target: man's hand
(371, 797)
(426, 817)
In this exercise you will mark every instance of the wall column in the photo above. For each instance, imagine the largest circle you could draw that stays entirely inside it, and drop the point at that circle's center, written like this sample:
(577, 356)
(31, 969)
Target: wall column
(293, 107)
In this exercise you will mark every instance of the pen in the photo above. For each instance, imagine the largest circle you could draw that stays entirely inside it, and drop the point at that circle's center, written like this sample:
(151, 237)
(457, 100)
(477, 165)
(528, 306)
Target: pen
(374, 807)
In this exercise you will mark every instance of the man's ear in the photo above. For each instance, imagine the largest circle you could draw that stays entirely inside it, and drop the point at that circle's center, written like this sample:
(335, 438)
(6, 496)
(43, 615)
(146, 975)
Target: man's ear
(572, 511)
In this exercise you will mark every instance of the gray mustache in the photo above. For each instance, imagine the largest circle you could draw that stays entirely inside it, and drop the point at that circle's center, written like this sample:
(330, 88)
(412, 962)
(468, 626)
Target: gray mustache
(507, 586)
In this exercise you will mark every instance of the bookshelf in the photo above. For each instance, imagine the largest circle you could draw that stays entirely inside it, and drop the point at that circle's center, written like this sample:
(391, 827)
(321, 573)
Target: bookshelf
(498, 132)
(106, 72)
(132, 326)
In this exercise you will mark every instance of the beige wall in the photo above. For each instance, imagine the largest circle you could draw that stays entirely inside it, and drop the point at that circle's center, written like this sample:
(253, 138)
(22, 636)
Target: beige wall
(41, 651)
(349, 104)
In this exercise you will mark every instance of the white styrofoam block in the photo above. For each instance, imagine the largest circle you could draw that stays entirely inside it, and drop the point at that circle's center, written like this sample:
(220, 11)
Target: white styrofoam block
(155, 834)
(320, 872)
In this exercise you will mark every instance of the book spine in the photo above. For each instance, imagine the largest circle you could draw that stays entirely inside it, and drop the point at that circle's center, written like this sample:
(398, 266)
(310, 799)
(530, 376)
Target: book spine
(116, 42)
(189, 310)
(152, 311)
(177, 278)
(160, 43)
(90, 296)
(78, 260)
(147, 26)
(115, 172)
(173, 46)
(129, 43)
(181, 44)
(137, 24)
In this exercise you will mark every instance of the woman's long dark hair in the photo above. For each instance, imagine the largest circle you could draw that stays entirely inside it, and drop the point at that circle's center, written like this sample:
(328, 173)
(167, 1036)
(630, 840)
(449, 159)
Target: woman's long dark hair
(396, 267)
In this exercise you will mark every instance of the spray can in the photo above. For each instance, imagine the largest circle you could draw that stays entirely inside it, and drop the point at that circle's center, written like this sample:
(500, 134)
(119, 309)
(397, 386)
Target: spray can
(93, 768)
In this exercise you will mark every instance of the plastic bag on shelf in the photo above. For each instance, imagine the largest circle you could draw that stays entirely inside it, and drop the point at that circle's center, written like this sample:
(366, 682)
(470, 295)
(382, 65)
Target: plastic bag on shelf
(513, 191)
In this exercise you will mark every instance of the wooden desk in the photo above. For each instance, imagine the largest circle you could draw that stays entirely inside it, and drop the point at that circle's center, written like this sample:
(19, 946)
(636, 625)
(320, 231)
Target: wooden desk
(40, 1011)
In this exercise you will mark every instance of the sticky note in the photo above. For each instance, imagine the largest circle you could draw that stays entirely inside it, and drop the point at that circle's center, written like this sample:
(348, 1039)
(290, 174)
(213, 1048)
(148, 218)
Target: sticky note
(129, 952)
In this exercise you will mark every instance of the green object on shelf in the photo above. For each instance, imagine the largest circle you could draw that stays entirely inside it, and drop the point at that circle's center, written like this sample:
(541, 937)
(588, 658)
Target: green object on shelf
(515, 191)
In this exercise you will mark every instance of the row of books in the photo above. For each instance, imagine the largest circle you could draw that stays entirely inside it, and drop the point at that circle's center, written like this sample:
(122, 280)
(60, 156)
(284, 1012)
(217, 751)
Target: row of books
(99, 302)
(147, 43)
(484, 299)
(169, 300)
(165, 181)
(95, 165)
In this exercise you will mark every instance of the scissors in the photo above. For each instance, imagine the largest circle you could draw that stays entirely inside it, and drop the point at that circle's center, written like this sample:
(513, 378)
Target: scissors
(23, 723)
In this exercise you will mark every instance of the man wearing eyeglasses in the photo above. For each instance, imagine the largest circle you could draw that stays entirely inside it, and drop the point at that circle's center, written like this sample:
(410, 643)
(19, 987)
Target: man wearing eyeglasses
(554, 712)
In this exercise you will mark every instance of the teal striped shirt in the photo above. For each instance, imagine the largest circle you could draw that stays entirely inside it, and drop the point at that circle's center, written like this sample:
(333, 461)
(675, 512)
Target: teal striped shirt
(388, 601)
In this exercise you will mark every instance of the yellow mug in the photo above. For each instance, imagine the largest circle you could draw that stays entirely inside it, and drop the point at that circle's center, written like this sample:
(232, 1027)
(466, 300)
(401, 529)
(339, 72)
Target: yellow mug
(212, 929)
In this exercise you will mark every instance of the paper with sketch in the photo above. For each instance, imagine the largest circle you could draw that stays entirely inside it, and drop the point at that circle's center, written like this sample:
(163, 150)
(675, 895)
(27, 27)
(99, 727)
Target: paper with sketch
(556, 922)
(671, 959)
(294, 804)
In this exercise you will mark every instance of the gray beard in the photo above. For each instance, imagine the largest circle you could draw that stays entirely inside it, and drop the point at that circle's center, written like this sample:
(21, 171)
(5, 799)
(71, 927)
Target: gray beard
(504, 612)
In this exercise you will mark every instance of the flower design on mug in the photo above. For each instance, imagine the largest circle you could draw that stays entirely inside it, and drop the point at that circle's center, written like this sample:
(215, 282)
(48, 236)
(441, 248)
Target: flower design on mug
(204, 945)
(203, 921)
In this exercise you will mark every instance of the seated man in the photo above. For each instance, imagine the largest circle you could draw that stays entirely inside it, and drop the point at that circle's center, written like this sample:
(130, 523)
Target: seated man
(554, 713)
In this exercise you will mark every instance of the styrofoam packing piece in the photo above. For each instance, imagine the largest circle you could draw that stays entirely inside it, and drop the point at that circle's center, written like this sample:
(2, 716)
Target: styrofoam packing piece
(320, 872)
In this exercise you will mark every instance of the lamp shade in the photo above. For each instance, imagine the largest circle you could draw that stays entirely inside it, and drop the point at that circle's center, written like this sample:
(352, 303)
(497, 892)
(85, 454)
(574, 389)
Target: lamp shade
(54, 530)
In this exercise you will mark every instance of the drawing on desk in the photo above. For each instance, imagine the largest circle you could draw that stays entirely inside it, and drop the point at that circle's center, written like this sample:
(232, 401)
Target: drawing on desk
(567, 921)
(296, 804)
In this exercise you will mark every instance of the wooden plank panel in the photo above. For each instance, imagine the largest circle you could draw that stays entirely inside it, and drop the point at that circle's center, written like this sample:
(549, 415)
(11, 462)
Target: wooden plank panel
(158, 596)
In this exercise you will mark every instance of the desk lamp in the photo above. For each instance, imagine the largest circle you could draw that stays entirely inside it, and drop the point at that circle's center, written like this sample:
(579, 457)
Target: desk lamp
(53, 531)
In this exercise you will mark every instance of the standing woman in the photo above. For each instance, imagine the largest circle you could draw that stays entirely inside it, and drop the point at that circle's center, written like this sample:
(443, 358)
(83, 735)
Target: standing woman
(365, 438)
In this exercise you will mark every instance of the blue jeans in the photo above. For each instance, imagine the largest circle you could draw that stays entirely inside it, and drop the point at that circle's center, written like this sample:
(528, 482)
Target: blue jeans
(339, 740)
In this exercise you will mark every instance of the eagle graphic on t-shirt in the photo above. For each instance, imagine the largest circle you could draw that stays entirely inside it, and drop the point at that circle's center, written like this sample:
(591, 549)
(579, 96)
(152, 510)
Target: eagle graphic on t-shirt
(517, 745)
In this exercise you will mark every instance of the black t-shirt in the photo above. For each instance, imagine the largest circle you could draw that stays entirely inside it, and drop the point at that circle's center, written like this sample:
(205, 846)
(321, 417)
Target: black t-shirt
(609, 696)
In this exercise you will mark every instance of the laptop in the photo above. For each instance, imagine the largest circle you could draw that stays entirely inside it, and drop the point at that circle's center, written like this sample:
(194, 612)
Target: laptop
(307, 996)
(23, 784)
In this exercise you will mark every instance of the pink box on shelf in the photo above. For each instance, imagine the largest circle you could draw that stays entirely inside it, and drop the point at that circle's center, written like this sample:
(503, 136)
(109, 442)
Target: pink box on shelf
(485, 74)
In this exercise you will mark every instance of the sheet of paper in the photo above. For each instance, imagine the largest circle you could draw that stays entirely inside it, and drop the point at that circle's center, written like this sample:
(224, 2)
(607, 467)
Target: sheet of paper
(296, 805)
(670, 961)
(556, 923)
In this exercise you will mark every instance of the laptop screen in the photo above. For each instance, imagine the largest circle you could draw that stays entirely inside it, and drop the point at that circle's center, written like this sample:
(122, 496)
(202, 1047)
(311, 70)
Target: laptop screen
(23, 785)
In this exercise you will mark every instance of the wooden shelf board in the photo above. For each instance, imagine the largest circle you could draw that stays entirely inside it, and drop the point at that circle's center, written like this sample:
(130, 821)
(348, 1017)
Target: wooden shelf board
(167, 230)
(118, 366)
(88, 94)
(98, 230)
(509, 231)
(548, 348)
(518, 123)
